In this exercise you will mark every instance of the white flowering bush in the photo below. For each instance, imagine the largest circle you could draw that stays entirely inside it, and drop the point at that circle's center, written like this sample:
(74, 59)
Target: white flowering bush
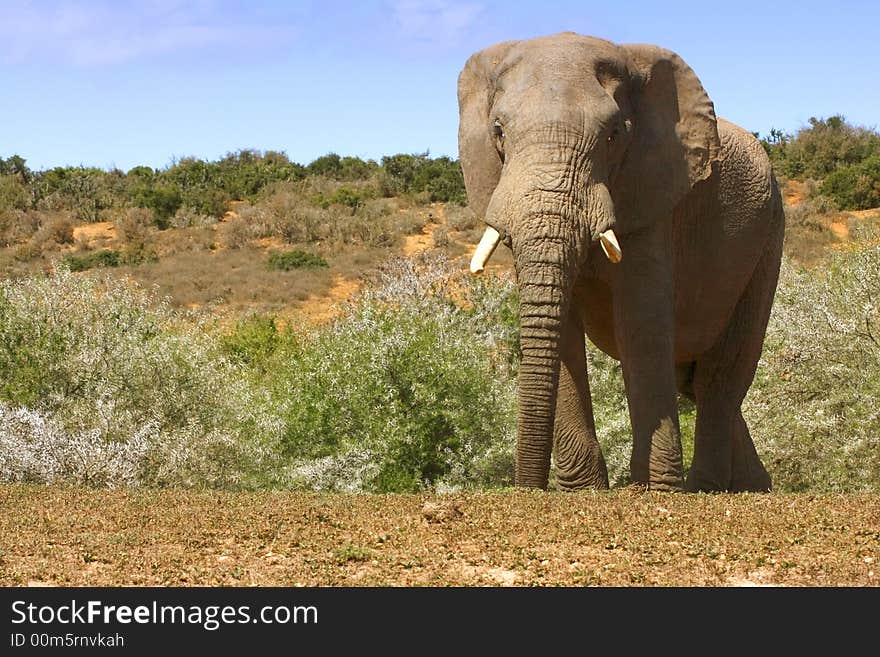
(814, 408)
(113, 373)
(34, 449)
(412, 388)
(352, 470)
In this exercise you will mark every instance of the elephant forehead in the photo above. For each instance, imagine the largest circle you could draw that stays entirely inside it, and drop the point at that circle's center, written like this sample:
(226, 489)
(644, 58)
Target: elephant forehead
(570, 44)
(560, 75)
(564, 55)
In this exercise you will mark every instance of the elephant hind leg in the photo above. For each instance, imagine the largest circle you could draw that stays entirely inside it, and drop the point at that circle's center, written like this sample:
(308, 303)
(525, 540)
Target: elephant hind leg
(747, 472)
(725, 458)
(577, 454)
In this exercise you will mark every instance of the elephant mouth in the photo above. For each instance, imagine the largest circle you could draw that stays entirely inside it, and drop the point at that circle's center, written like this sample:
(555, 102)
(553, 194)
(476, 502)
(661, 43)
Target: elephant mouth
(491, 238)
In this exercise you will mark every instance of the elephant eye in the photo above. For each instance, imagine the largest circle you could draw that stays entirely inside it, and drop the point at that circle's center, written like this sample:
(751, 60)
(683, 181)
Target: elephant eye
(497, 130)
(613, 135)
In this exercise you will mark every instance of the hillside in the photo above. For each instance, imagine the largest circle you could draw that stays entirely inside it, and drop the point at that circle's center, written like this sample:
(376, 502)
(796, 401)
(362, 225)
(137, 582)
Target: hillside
(205, 267)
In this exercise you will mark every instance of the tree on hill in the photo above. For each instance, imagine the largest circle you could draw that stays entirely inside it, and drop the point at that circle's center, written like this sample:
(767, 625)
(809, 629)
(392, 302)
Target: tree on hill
(843, 156)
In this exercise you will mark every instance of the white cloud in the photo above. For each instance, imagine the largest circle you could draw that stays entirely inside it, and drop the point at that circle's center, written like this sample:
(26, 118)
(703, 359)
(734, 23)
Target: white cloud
(434, 20)
(107, 32)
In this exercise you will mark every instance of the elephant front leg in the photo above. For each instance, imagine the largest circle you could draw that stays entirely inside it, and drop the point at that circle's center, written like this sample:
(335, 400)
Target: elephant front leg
(645, 335)
(652, 396)
(578, 456)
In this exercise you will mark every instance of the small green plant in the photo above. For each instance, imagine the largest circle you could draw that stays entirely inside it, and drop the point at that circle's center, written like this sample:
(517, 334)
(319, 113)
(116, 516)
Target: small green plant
(295, 259)
(102, 258)
(351, 552)
(348, 197)
(255, 339)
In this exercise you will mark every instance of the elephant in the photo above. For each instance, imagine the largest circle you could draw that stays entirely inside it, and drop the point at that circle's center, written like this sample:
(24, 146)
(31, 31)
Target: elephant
(639, 219)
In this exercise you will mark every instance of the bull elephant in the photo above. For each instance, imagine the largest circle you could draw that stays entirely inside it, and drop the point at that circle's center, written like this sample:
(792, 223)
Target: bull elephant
(634, 216)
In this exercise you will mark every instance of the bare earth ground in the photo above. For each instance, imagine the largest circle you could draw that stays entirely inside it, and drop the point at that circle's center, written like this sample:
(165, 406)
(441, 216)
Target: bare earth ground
(76, 537)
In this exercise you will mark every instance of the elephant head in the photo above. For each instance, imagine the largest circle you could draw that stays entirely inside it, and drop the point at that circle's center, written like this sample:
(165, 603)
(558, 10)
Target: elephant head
(568, 144)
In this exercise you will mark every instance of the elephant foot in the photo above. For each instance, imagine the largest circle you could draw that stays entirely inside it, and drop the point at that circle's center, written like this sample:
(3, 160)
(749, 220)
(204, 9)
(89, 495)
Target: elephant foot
(587, 472)
(748, 474)
(667, 487)
(668, 484)
(700, 482)
(567, 485)
(668, 480)
(755, 480)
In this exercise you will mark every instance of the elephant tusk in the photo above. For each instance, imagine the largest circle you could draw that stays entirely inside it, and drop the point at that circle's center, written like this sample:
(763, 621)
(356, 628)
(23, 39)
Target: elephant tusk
(484, 250)
(611, 246)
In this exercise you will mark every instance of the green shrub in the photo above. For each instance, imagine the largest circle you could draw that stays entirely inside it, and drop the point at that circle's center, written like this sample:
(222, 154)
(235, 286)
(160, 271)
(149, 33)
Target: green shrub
(409, 390)
(857, 186)
(342, 168)
(136, 253)
(87, 192)
(255, 339)
(327, 165)
(440, 179)
(102, 258)
(295, 259)
(242, 175)
(163, 200)
(351, 197)
(13, 194)
(15, 165)
(348, 197)
(822, 148)
(445, 181)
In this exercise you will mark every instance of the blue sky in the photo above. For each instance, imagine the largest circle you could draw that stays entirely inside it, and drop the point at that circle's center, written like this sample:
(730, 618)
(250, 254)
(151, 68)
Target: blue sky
(119, 83)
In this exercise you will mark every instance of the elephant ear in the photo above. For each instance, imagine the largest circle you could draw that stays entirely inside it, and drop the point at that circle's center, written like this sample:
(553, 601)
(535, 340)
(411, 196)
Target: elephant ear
(674, 143)
(480, 161)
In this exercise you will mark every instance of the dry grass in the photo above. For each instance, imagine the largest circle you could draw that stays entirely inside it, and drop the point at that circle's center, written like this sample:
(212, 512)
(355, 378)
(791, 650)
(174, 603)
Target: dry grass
(811, 225)
(236, 280)
(85, 537)
(223, 264)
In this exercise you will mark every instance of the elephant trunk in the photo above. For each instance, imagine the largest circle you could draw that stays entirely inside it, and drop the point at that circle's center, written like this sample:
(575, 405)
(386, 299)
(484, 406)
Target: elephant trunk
(544, 281)
(552, 212)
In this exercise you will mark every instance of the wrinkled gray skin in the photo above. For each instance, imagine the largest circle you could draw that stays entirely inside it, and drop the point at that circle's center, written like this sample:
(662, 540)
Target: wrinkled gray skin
(563, 137)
